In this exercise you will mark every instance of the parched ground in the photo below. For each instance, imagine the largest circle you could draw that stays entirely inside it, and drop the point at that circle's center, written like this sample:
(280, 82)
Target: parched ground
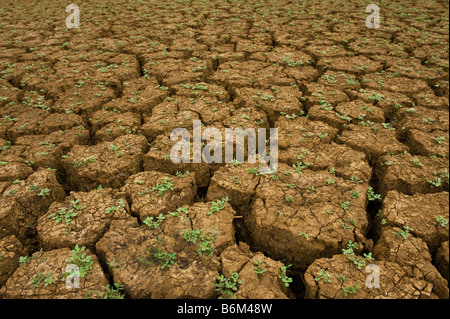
(359, 205)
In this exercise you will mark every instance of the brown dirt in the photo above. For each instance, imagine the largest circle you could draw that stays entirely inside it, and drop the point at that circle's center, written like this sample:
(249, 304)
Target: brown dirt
(412, 174)
(419, 212)
(396, 281)
(52, 264)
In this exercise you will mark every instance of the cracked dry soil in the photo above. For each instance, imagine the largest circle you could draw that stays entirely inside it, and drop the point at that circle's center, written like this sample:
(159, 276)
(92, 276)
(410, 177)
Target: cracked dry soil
(85, 177)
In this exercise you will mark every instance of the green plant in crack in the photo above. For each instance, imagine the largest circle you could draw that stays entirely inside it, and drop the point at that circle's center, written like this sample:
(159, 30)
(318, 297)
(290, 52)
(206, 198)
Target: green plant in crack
(356, 180)
(115, 149)
(354, 194)
(345, 205)
(341, 278)
(181, 210)
(236, 162)
(436, 182)
(344, 225)
(113, 265)
(253, 171)
(67, 215)
(90, 159)
(180, 174)
(24, 260)
(283, 276)
(300, 166)
(289, 198)
(371, 196)
(416, 162)
(63, 215)
(164, 186)
(306, 235)
(11, 192)
(227, 287)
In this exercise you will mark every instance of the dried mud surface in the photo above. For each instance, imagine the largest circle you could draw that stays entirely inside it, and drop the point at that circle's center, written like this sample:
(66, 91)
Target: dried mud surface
(363, 144)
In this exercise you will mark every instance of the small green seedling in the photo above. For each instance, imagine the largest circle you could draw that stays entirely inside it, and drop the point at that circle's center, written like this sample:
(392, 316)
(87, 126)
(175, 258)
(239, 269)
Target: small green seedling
(153, 224)
(403, 233)
(258, 269)
(218, 205)
(227, 287)
(371, 196)
(80, 259)
(40, 278)
(443, 222)
(164, 186)
(321, 275)
(283, 276)
(351, 290)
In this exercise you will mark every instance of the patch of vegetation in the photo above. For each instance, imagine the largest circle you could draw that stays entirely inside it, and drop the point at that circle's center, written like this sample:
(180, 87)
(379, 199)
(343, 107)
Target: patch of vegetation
(164, 186)
(283, 276)
(80, 258)
(154, 223)
(115, 208)
(156, 255)
(357, 260)
(403, 233)
(442, 221)
(205, 241)
(351, 290)
(111, 292)
(40, 278)
(321, 275)
(227, 287)
(258, 269)
(218, 205)
(371, 196)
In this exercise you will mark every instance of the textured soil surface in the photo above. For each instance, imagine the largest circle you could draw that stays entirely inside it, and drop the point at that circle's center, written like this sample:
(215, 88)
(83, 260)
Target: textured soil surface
(359, 205)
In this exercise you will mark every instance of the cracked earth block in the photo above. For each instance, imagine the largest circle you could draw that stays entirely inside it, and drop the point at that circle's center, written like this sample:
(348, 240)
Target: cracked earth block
(171, 258)
(396, 282)
(108, 164)
(41, 278)
(151, 193)
(81, 219)
(297, 217)
(420, 213)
